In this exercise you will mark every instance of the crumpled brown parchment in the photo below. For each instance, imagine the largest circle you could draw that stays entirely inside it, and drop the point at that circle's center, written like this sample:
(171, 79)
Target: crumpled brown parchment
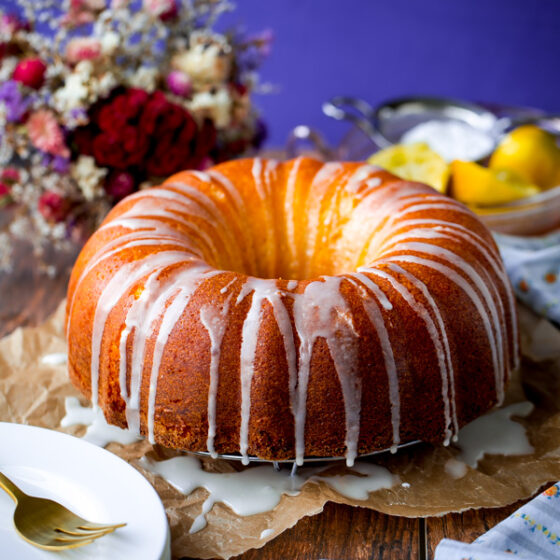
(32, 392)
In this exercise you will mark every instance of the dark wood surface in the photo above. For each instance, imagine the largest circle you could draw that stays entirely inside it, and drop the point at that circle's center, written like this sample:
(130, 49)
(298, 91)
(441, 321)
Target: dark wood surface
(339, 532)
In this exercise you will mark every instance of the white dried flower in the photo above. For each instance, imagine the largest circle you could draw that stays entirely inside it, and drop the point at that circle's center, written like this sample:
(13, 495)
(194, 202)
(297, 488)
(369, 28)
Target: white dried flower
(88, 176)
(110, 42)
(214, 104)
(73, 94)
(7, 68)
(207, 61)
(84, 68)
(102, 87)
(145, 78)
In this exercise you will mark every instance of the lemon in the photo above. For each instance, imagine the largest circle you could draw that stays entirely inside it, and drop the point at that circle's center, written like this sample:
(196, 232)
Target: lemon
(414, 162)
(479, 186)
(532, 153)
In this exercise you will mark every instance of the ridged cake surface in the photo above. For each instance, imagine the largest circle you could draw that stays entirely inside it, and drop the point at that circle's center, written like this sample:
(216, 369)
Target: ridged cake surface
(284, 310)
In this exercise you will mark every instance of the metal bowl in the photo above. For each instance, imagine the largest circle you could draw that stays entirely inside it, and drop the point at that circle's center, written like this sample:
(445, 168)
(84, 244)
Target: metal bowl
(387, 123)
(381, 126)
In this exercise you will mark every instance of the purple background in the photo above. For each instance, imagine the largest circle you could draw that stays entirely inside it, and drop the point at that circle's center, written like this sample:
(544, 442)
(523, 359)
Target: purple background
(505, 51)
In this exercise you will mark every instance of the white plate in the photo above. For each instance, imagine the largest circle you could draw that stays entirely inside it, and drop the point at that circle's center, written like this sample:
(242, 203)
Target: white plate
(92, 482)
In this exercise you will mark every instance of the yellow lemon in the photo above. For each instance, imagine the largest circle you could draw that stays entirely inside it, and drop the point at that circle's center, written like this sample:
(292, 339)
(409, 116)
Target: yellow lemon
(532, 153)
(414, 162)
(479, 186)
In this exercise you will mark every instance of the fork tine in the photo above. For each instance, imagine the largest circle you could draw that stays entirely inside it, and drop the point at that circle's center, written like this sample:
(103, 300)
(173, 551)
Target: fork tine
(87, 526)
(81, 533)
(76, 539)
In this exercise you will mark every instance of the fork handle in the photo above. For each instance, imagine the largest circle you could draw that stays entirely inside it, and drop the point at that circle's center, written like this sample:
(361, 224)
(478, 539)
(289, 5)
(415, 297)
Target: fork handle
(14, 492)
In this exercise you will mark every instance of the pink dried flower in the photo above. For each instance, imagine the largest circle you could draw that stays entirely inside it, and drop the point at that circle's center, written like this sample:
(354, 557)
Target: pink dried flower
(179, 83)
(45, 133)
(10, 24)
(82, 11)
(4, 190)
(53, 207)
(82, 48)
(163, 9)
(30, 72)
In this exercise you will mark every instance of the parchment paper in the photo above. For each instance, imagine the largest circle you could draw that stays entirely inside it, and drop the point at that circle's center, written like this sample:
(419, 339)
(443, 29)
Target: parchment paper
(33, 393)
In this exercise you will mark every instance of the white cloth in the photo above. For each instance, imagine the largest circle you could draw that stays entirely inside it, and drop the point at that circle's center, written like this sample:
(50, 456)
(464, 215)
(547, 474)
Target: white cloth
(533, 265)
(532, 533)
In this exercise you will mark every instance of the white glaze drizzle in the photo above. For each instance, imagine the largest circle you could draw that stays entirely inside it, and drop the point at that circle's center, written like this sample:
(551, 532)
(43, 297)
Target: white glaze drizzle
(116, 246)
(359, 178)
(448, 385)
(215, 322)
(431, 234)
(240, 214)
(262, 290)
(438, 229)
(55, 359)
(289, 210)
(204, 177)
(439, 339)
(228, 285)
(330, 173)
(489, 314)
(322, 311)
(124, 279)
(158, 296)
(376, 319)
(188, 283)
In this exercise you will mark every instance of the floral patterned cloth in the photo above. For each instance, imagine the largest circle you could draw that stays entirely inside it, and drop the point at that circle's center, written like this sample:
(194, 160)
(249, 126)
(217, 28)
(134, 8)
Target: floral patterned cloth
(533, 265)
(532, 532)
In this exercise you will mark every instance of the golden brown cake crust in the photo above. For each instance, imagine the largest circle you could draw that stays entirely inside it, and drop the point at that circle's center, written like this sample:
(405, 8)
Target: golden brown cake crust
(385, 315)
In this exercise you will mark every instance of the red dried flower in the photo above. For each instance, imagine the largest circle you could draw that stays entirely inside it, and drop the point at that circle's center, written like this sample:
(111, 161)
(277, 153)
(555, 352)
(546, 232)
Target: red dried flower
(143, 133)
(30, 72)
(10, 175)
(53, 206)
(119, 184)
(5, 192)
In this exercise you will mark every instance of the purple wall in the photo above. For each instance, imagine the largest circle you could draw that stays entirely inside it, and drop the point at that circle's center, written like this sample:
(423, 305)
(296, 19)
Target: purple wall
(490, 50)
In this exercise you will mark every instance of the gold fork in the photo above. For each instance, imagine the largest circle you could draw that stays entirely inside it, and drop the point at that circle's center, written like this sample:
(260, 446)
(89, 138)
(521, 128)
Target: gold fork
(47, 524)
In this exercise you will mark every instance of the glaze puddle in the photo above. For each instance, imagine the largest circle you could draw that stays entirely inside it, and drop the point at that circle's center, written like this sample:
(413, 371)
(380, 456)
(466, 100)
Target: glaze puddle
(259, 489)
(98, 431)
(495, 433)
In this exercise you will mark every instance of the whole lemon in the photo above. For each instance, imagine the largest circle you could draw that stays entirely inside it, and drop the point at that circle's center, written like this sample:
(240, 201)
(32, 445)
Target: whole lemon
(532, 153)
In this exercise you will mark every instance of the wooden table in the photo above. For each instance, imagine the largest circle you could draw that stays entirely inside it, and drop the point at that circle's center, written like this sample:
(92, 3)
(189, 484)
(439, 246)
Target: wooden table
(339, 532)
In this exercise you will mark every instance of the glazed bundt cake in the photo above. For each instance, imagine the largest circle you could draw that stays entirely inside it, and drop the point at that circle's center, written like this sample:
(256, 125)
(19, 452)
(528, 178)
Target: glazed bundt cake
(284, 310)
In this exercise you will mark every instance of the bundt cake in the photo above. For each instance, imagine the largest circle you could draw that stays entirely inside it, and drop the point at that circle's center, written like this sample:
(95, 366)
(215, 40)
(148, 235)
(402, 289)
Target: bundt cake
(285, 310)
